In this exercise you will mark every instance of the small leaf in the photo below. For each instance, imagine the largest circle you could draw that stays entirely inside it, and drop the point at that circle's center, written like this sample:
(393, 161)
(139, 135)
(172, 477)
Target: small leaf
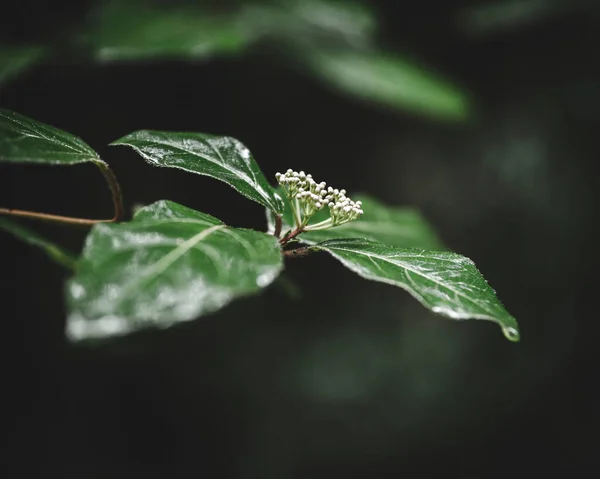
(54, 252)
(170, 264)
(15, 59)
(390, 81)
(23, 140)
(124, 31)
(219, 157)
(404, 227)
(446, 283)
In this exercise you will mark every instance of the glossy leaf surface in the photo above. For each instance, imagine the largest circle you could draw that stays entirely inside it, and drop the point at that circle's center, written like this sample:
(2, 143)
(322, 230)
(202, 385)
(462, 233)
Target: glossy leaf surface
(23, 140)
(220, 157)
(390, 81)
(54, 252)
(125, 31)
(446, 283)
(404, 227)
(169, 264)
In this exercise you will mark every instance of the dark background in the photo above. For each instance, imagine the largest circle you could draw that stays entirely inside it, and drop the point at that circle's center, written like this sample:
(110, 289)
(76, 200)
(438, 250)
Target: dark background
(356, 380)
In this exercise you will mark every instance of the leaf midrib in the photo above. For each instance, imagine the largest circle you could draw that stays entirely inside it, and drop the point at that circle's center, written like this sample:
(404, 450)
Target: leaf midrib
(37, 134)
(233, 171)
(386, 260)
(157, 268)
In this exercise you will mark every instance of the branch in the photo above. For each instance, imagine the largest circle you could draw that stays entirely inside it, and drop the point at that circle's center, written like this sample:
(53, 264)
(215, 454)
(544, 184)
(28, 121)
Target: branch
(117, 199)
(278, 226)
(291, 236)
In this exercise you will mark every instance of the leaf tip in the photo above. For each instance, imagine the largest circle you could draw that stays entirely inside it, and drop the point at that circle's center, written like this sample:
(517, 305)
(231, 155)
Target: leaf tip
(511, 333)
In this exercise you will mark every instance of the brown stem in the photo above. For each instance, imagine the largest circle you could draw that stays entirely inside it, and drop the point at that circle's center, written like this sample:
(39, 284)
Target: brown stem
(295, 253)
(69, 220)
(291, 236)
(278, 226)
(115, 190)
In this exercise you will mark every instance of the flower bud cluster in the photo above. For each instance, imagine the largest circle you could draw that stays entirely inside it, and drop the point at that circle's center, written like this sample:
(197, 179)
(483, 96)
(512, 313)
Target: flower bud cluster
(311, 197)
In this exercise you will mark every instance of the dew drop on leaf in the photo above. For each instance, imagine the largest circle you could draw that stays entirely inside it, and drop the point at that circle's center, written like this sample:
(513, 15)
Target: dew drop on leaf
(511, 333)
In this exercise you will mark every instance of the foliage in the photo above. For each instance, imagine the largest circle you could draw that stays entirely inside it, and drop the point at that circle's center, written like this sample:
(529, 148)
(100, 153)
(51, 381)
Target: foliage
(332, 41)
(171, 263)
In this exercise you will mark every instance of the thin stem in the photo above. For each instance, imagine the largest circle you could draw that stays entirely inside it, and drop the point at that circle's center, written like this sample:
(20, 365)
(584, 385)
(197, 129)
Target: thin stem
(291, 236)
(328, 223)
(58, 254)
(115, 190)
(117, 198)
(68, 220)
(278, 226)
(296, 210)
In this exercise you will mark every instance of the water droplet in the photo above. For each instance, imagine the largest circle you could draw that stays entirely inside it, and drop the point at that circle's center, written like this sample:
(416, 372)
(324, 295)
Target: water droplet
(511, 333)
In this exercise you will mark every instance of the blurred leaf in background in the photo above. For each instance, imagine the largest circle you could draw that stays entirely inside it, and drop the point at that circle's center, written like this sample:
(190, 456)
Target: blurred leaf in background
(54, 252)
(496, 16)
(327, 39)
(16, 59)
(137, 30)
(390, 81)
(311, 22)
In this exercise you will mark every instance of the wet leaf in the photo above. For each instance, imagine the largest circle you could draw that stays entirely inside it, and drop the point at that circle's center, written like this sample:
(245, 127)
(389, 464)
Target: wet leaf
(219, 157)
(447, 283)
(23, 140)
(170, 264)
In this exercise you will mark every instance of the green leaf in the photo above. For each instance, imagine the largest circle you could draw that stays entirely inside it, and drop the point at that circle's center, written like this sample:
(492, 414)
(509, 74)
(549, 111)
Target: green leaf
(219, 157)
(16, 59)
(54, 252)
(124, 31)
(446, 283)
(310, 22)
(23, 140)
(170, 264)
(390, 81)
(404, 227)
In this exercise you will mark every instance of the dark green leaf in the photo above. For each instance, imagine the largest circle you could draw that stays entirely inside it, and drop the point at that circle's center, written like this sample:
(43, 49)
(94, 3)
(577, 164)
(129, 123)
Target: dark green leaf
(446, 283)
(170, 264)
(14, 60)
(141, 30)
(404, 227)
(389, 80)
(23, 140)
(54, 252)
(219, 157)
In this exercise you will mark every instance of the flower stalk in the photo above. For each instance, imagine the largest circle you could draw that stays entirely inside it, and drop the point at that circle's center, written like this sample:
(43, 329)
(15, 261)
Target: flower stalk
(307, 197)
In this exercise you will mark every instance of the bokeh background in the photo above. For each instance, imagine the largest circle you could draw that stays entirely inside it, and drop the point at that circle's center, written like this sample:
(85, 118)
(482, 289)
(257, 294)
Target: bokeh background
(345, 378)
